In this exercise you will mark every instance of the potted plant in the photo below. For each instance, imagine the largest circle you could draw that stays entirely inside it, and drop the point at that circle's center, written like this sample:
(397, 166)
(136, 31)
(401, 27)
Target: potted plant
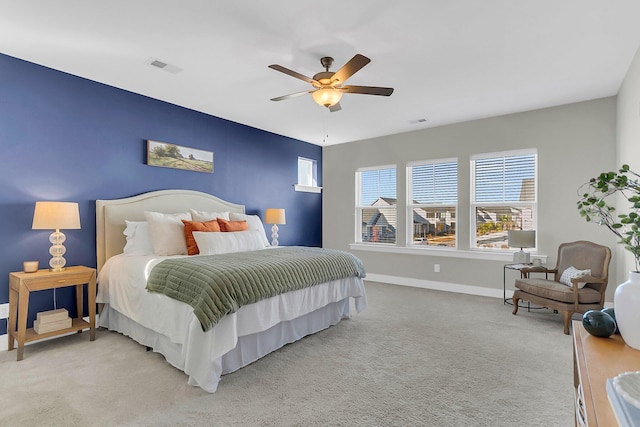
(593, 206)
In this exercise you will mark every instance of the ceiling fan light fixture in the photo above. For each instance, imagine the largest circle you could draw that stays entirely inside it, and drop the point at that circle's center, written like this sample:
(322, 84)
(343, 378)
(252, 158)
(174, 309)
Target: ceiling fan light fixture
(327, 97)
(328, 86)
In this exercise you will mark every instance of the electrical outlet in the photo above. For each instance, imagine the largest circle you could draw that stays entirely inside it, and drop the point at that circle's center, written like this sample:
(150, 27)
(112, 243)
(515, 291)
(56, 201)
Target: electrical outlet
(4, 311)
(436, 268)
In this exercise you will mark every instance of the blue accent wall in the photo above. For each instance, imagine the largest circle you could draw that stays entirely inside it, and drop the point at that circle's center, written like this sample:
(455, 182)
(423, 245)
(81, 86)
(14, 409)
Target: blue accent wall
(66, 138)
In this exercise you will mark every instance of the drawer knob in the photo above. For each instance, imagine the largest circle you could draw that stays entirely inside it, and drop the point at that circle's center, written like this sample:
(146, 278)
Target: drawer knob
(61, 281)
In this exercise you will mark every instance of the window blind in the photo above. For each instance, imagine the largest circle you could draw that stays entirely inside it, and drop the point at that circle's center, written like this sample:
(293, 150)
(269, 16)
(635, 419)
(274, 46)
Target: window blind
(434, 183)
(505, 179)
(376, 184)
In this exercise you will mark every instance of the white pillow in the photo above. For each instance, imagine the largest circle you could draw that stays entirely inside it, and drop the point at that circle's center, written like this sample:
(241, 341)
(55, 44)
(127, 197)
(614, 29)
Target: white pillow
(167, 232)
(254, 222)
(138, 238)
(571, 273)
(208, 216)
(223, 243)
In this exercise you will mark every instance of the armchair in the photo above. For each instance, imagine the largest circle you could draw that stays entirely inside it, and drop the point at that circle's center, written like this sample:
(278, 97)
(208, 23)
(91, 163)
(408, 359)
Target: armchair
(572, 298)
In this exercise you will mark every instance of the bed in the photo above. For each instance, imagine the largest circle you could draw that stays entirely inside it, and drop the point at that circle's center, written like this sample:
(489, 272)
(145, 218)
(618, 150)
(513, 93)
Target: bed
(171, 327)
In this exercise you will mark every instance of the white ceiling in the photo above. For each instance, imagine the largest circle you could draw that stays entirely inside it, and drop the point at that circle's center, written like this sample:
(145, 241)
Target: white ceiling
(449, 61)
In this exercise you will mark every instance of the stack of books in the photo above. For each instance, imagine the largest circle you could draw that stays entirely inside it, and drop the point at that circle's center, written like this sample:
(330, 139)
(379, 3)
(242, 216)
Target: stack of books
(53, 320)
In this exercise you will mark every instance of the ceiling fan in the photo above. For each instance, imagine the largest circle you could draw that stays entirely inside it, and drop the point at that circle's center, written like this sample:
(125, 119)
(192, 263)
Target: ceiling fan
(328, 86)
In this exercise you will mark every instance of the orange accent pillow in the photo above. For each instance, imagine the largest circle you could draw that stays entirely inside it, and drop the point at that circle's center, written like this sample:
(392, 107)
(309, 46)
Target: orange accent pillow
(232, 225)
(191, 226)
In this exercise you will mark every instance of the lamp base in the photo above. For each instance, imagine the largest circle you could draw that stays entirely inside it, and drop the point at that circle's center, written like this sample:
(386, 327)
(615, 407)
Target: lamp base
(274, 235)
(57, 250)
(521, 257)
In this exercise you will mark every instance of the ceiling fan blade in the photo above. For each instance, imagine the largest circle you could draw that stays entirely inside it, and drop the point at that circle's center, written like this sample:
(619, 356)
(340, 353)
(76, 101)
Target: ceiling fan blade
(368, 90)
(350, 68)
(293, 74)
(335, 108)
(292, 95)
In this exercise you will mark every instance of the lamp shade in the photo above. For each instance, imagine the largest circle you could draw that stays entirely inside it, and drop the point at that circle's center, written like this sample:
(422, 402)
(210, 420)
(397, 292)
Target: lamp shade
(56, 216)
(522, 238)
(274, 216)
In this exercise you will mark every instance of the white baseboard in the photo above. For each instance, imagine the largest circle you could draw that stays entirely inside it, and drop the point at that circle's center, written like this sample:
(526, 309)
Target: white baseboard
(445, 286)
(439, 286)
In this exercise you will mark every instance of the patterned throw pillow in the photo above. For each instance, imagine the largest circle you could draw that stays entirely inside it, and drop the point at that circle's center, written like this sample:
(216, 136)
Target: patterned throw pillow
(571, 273)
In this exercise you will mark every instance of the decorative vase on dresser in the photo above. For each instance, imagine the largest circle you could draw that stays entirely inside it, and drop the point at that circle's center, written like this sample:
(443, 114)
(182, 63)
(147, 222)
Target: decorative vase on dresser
(626, 302)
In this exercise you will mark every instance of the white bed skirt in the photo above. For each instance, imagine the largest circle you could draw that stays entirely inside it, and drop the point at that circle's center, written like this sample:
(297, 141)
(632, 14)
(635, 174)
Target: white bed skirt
(200, 355)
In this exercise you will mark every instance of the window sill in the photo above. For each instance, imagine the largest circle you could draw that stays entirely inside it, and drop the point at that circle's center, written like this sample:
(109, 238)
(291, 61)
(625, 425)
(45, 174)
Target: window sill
(506, 257)
(307, 188)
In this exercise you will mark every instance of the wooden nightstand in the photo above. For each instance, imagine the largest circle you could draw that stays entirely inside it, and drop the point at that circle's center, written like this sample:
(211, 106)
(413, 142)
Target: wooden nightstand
(20, 284)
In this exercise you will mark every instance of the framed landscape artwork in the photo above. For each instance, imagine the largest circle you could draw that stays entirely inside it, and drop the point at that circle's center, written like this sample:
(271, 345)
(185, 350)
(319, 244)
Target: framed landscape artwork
(174, 156)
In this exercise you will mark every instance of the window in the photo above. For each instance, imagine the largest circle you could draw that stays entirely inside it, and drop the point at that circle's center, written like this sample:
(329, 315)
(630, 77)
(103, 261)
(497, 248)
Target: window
(503, 196)
(376, 213)
(307, 172)
(307, 176)
(432, 201)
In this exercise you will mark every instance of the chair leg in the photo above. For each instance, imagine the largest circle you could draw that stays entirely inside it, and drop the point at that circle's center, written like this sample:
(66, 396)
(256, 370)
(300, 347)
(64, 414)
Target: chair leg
(515, 300)
(566, 317)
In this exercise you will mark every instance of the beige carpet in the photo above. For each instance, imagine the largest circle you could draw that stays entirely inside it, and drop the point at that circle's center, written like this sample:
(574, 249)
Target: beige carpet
(414, 357)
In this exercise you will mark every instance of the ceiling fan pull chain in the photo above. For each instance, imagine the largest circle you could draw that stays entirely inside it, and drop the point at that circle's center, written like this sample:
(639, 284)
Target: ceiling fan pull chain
(325, 130)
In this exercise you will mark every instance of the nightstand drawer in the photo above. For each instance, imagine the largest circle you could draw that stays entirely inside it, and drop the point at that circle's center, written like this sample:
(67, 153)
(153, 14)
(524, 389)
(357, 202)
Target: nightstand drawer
(50, 281)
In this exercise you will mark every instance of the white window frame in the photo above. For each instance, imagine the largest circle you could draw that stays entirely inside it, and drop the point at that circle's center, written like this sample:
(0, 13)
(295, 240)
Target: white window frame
(307, 181)
(411, 206)
(474, 205)
(359, 208)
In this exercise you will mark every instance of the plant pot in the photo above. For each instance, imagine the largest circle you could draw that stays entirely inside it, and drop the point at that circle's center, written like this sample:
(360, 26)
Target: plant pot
(626, 302)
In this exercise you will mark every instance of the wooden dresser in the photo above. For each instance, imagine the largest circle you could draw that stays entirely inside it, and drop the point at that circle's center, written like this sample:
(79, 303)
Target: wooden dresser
(594, 361)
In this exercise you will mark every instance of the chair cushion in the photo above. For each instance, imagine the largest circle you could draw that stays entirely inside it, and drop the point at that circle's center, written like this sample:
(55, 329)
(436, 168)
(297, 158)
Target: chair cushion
(557, 291)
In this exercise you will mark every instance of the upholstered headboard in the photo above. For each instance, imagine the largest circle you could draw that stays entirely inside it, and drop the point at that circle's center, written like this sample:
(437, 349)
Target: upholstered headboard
(111, 214)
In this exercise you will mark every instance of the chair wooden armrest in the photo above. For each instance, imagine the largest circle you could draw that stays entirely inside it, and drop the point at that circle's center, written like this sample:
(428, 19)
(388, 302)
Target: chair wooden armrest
(524, 272)
(582, 279)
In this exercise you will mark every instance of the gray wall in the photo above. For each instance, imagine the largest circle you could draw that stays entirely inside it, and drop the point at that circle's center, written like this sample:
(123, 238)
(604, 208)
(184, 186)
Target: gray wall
(574, 143)
(628, 144)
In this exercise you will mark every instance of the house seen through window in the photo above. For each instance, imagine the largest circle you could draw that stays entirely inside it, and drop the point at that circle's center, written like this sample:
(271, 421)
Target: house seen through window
(376, 211)
(432, 202)
(503, 196)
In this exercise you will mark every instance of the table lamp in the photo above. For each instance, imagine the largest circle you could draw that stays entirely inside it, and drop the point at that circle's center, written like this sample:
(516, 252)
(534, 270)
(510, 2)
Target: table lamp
(275, 217)
(521, 239)
(56, 216)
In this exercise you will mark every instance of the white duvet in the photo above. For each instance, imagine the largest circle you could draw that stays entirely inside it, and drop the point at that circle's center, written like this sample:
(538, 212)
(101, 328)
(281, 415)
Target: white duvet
(170, 327)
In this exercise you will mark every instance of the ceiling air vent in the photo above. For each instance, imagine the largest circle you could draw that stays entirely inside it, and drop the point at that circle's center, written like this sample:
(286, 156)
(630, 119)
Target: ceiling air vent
(158, 64)
(163, 65)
